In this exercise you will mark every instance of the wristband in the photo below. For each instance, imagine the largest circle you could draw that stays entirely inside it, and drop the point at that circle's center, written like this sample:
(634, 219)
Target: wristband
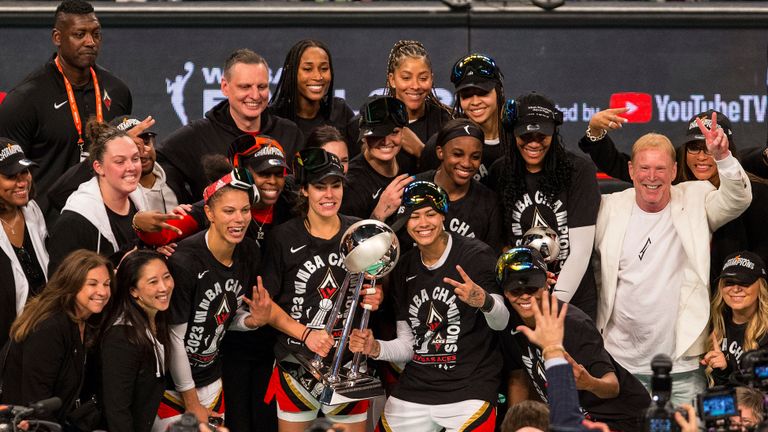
(596, 138)
(551, 348)
(133, 223)
(487, 304)
(305, 335)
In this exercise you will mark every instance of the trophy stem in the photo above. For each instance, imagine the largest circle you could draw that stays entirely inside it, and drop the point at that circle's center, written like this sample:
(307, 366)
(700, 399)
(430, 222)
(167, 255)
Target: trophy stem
(355, 369)
(342, 294)
(337, 358)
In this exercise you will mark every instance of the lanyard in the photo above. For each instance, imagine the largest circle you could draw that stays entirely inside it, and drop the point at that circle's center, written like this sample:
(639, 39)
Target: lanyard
(73, 105)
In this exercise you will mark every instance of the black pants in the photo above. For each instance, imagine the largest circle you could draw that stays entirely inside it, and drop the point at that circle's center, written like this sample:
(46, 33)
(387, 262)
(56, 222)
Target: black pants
(246, 378)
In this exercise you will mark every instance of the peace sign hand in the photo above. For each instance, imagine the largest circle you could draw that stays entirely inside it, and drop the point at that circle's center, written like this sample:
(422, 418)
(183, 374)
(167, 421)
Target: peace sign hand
(715, 358)
(468, 291)
(260, 306)
(717, 142)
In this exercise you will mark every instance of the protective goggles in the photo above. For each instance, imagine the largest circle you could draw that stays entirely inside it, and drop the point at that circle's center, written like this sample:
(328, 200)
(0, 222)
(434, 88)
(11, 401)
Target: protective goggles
(480, 64)
(418, 193)
(246, 146)
(380, 110)
(239, 178)
(311, 160)
(521, 268)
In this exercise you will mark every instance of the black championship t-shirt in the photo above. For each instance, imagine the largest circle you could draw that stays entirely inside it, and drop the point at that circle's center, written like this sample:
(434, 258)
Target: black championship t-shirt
(455, 353)
(363, 188)
(304, 275)
(206, 297)
(584, 344)
(577, 206)
(492, 151)
(122, 226)
(476, 215)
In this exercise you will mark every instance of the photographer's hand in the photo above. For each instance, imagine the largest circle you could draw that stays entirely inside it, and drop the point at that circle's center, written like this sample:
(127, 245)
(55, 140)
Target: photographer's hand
(690, 425)
(715, 358)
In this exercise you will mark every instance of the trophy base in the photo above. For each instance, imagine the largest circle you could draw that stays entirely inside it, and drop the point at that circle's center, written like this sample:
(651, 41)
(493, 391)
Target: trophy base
(351, 390)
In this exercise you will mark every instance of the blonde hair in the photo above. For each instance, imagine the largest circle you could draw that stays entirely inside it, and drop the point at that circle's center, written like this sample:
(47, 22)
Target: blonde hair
(757, 326)
(654, 141)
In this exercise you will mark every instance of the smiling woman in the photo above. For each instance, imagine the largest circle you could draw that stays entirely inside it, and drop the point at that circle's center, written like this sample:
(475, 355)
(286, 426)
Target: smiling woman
(98, 216)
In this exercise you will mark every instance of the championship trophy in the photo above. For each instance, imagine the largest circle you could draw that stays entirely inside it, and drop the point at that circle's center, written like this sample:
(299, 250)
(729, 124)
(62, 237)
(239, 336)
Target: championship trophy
(370, 250)
(543, 239)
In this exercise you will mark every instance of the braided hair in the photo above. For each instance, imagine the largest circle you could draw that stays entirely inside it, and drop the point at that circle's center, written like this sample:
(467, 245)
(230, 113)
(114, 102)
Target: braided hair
(284, 101)
(556, 177)
(410, 49)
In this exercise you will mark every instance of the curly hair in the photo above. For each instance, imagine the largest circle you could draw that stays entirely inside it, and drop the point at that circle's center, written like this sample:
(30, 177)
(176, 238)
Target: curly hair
(284, 101)
(410, 49)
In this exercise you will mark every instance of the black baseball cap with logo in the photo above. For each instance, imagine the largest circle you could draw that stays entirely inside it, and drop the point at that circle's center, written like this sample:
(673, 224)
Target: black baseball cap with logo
(536, 113)
(266, 158)
(12, 159)
(693, 133)
(743, 267)
(125, 123)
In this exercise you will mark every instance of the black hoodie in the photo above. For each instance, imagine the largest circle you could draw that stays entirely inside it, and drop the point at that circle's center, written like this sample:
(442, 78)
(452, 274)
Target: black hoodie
(181, 153)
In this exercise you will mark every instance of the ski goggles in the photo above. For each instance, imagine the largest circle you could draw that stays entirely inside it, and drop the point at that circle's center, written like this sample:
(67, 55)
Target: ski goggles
(314, 164)
(521, 270)
(246, 146)
(238, 178)
(419, 193)
(384, 109)
(480, 64)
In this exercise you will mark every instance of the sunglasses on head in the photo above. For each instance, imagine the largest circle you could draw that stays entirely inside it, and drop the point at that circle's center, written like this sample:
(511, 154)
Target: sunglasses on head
(238, 178)
(379, 110)
(480, 64)
(416, 193)
(246, 146)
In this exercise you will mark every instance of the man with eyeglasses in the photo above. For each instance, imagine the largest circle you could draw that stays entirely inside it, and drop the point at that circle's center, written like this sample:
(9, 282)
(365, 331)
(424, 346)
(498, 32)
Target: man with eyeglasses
(607, 392)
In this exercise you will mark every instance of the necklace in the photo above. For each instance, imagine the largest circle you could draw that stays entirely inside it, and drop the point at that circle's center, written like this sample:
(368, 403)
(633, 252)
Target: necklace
(12, 224)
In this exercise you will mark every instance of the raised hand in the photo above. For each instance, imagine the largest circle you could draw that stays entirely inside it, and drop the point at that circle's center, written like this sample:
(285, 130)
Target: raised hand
(717, 142)
(260, 306)
(468, 291)
(608, 119)
(715, 358)
(550, 325)
(390, 198)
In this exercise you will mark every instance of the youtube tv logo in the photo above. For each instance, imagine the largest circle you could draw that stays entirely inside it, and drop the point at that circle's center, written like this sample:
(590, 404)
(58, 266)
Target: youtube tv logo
(639, 106)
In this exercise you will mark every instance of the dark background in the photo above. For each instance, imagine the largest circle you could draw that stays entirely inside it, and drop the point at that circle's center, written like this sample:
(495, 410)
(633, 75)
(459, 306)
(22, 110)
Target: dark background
(578, 55)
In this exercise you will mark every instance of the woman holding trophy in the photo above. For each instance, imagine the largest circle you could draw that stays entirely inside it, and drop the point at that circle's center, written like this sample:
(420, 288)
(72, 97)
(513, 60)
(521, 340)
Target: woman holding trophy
(304, 272)
(448, 305)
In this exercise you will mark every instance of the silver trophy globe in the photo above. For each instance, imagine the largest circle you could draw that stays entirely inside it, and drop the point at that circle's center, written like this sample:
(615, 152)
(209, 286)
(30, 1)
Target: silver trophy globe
(371, 250)
(545, 240)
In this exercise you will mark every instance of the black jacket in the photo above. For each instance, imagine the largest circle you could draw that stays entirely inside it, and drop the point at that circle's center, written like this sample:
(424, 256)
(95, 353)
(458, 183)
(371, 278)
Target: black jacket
(37, 115)
(49, 362)
(181, 153)
(131, 389)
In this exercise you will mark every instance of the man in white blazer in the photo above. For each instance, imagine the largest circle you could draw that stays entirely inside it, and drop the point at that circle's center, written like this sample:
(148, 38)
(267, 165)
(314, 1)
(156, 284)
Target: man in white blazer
(652, 241)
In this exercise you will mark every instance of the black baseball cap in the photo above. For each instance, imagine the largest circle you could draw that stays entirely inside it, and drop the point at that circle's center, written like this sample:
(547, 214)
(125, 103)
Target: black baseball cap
(536, 113)
(693, 133)
(125, 123)
(332, 168)
(744, 267)
(381, 115)
(267, 157)
(12, 159)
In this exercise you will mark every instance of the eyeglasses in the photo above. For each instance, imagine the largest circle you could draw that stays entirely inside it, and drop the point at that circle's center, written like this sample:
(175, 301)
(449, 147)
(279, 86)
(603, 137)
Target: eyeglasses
(238, 178)
(246, 146)
(416, 193)
(479, 64)
(694, 148)
(379, 110)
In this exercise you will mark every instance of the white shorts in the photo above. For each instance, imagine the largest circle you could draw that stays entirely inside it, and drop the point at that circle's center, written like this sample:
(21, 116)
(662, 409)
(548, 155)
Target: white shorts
(469, 415)
(172, 405)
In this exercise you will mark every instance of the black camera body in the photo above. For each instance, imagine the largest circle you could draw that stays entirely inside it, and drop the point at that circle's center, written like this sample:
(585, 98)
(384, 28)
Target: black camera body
(660, 416)
(755, 369)
(716, 407)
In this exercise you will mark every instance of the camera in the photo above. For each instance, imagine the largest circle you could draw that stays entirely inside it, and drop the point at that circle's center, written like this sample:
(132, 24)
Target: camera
(755, 369)
(660, 416)
(716, 407)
